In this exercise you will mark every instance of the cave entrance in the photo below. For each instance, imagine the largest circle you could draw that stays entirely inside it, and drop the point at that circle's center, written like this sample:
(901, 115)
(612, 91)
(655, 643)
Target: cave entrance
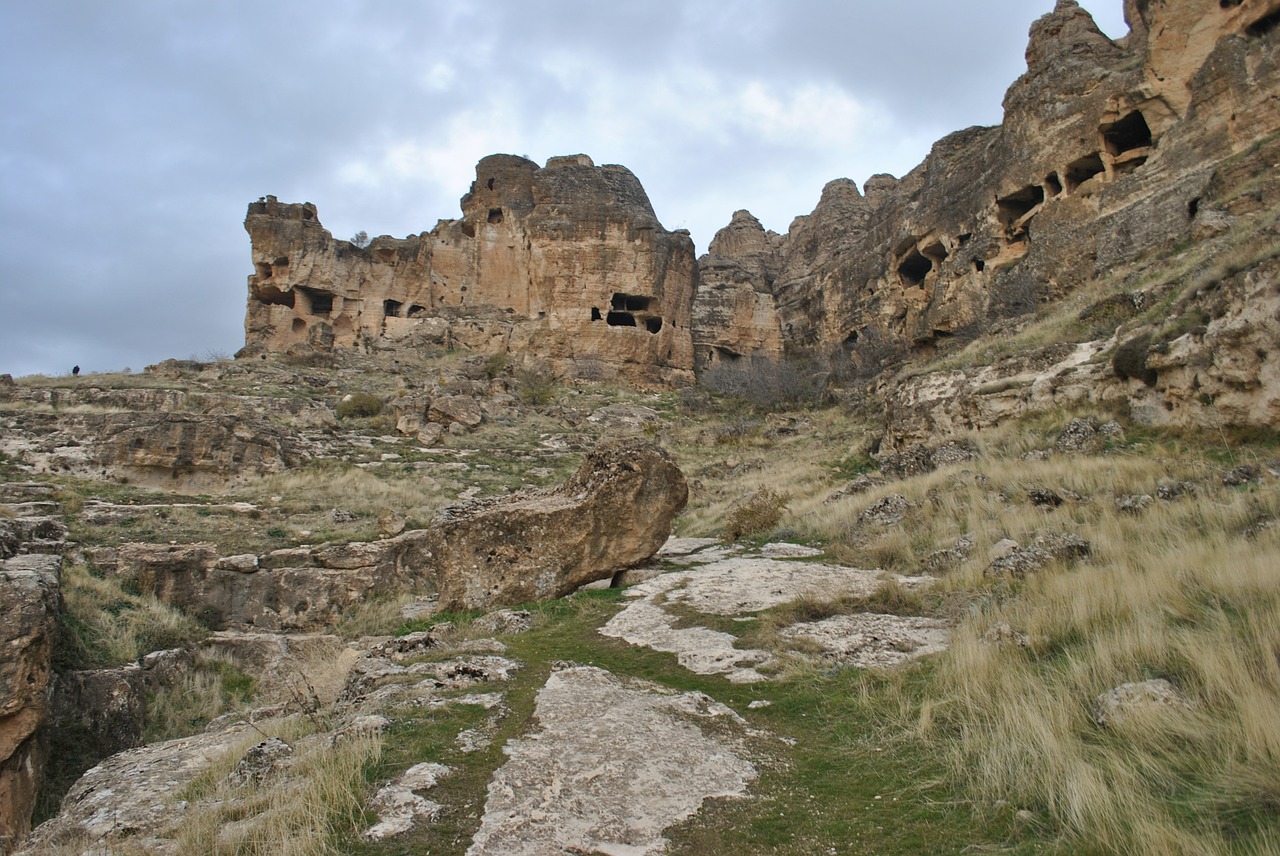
(629, 302)
(1080, 171)
(1015, 209)
(318, 302)
(1127, 134)
(274, 296)
(620, 319)
(495, 215)
(391, 308)
(914, 268)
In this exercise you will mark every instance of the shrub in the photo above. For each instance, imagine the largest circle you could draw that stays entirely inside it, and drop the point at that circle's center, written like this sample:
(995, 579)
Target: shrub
(496, 364)
(768, 384)
(760, 513)
(535, 386)
(359, 405)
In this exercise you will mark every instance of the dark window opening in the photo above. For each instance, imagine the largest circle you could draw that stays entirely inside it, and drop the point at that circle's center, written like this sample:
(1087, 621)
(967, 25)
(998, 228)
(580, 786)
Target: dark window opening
(1012, 208)
(595, 314)
(1262, 26)
(1080, 171)
(415, 310)
(653, 325)
(1052, 184)
(1127, 134)
(914, 268)
(391, 308)
(1227, 4)
(979, 265)
(620, 319)
(468, 229)
(274, 297)
(629, 302)
(495, 215)
(489, 184)
(321, 302)
(1193, 208)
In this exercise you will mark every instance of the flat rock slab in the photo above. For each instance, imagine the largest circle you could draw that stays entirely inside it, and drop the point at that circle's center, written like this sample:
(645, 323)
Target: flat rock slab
(614, 765)
(874, 641)
(737, 585)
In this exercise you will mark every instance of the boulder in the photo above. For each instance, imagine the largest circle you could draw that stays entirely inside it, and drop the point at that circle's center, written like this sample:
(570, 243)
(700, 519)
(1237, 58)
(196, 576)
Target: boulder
(30, 600)
(1118, 705)
(615, 512)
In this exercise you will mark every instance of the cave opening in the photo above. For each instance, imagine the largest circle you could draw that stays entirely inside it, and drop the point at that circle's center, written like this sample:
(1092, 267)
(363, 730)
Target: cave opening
(391, 308)
(1127, 134)
(468, 229)
(415, 310)
(629, 302)
(1263, 26)
(495, 215)
(489, 184)
(319, 302)
(979, 265)
(653, 324)
(1014, 207)
(1052, 184)
(595, 314)
(620, 319)
(275, 297)
(914, 268)
(1080, 171)
(1193, 208)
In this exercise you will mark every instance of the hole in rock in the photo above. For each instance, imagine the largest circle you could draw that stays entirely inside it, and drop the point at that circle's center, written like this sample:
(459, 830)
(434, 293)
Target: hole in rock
(1012, 208)
(851, 340)
(299, 325)
(1263, 26)
(1193, 208)
(914, 268)
(1127, 134)
(275, 297)
(620, 319)
(653, 325)
(489, 184)
(264, 270)
(595, 314)
(320, 302)
(629, 302)
(391, 308)
(495, 215)
(1080, 171)
(415, 310)
(1052, 184)
(468, 229)
(979, 265)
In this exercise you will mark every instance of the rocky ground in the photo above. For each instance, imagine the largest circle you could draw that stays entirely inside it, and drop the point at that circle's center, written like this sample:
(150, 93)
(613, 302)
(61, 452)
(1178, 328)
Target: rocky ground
(770, 682)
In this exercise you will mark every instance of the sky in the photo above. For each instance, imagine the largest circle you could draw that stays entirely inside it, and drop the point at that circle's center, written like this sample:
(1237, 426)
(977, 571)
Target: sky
(134, 133)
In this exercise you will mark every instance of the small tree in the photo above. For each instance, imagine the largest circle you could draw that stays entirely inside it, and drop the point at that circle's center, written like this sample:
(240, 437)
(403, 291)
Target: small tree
(360, 239)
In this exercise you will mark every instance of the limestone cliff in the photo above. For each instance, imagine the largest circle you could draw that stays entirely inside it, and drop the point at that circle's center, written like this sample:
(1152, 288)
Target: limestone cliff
(567, 263)
(1111, 155)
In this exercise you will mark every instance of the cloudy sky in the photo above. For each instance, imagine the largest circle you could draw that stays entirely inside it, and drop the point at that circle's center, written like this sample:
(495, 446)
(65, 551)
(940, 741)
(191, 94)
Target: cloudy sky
(133, 133)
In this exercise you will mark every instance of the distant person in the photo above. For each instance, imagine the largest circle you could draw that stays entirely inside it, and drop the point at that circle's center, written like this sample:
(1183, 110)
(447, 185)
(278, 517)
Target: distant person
(75, 371)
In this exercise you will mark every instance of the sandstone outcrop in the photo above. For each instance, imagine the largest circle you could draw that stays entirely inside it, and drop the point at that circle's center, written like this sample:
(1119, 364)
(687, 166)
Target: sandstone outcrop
(293, 590)
(734, 312)
(616, 511)
(565, 262)
(30, 600)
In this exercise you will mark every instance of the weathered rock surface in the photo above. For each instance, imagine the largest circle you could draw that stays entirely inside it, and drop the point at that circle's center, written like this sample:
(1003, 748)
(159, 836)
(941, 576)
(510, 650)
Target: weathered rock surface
(734, 313)
(565, 262)
(1126, 702)
(616, 511)
(871, 640)
(612, 766)
(30, 600)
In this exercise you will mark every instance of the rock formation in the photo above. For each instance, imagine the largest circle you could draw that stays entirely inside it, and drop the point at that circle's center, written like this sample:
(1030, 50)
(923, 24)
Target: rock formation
(616, 511)
(566, 262)
(30, 600)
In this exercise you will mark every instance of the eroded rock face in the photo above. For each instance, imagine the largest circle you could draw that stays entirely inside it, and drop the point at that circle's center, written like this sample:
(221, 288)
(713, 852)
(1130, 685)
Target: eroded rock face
(30, 600)
(734, 313)
(566, 262)
(616, 511)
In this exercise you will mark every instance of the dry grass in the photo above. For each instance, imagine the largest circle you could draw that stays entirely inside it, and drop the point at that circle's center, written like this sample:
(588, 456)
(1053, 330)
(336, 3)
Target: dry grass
(319, 801)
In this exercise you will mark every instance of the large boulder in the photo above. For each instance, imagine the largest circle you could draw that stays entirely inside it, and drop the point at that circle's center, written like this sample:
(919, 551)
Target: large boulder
(30, 600)
(615, 512)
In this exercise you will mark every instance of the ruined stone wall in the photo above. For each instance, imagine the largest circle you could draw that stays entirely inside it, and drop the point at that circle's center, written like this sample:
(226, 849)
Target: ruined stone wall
(567, 263)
